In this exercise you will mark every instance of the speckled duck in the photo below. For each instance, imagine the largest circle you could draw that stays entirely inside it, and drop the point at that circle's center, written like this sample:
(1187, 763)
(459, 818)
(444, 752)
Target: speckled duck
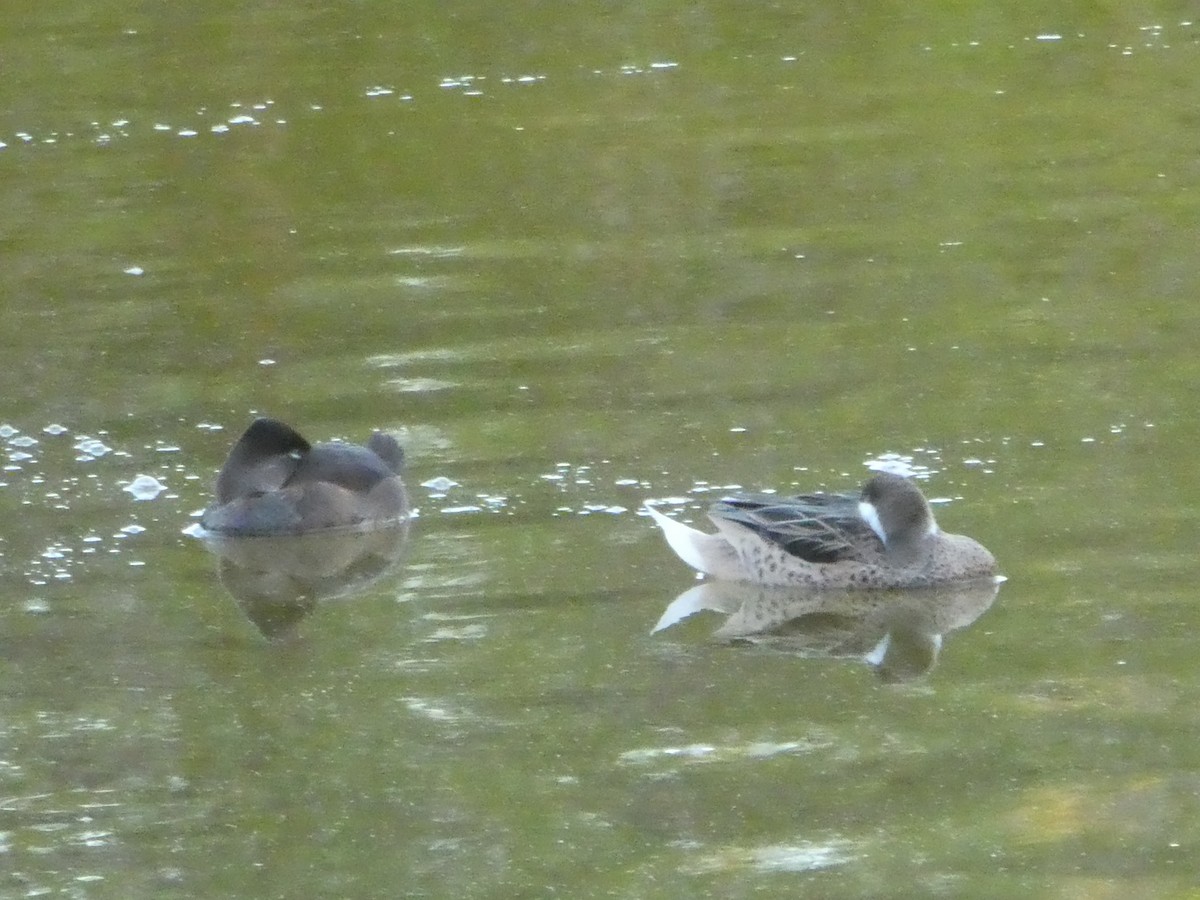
(885, 537)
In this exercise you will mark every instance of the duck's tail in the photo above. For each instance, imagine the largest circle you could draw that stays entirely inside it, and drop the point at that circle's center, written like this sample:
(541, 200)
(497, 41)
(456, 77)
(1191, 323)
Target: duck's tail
(707, 553)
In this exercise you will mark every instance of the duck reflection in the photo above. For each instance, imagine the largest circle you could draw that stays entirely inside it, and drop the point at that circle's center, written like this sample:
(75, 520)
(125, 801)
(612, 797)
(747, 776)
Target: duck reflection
(897, 632)
(278, 581)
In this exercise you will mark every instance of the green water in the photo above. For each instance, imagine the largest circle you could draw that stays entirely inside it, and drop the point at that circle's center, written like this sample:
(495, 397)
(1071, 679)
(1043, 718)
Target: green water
(576, 257)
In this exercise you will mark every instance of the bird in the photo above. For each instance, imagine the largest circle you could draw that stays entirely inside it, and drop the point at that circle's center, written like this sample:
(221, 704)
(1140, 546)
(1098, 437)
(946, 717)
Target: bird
(884, 537)
(274, 482)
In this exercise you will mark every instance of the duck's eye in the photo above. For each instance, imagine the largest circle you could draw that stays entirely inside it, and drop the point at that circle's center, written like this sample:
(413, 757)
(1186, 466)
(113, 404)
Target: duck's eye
(293, 454)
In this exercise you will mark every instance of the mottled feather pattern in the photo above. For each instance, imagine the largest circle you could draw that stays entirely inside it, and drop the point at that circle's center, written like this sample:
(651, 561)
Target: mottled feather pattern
(819, 528)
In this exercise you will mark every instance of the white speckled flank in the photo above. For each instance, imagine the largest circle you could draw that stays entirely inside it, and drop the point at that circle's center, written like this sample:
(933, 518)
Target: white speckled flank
(885, 538)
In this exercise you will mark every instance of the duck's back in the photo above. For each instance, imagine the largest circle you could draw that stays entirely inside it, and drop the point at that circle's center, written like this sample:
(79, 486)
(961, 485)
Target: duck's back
(818, 528)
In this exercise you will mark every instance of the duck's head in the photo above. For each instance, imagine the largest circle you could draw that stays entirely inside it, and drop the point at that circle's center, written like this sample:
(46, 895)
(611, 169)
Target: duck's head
(897, 511)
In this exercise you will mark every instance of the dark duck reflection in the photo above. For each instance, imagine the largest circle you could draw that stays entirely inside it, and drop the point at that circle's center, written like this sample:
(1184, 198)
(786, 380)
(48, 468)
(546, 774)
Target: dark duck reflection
(898, 632)
(279, 581)
(295, 523)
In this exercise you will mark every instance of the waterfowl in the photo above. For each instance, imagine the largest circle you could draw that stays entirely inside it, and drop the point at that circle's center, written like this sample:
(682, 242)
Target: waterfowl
(884, 537)
(275, 482)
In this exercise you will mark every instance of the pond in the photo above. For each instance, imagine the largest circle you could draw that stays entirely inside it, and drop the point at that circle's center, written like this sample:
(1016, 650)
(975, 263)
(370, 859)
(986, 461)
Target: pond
(576, 260)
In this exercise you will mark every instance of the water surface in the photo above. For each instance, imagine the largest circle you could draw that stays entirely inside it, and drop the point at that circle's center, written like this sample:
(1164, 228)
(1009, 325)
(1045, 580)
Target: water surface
(575, 260)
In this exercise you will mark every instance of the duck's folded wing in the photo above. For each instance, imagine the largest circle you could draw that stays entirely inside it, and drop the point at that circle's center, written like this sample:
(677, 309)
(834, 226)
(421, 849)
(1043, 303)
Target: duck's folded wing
(818, 528)
(348, 466)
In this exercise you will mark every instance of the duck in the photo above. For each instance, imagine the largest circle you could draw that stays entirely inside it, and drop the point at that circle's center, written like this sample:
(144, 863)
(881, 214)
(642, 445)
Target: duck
(274, 482)
(881, 538)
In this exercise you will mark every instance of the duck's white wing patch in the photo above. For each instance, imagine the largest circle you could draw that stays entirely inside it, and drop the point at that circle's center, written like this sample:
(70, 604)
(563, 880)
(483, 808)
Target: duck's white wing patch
(870, 515)
(707, 553)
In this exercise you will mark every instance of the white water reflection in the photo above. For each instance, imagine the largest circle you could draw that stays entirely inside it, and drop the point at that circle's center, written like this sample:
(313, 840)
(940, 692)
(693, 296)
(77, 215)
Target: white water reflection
(799, 857)
(714, 753)
(145, 487)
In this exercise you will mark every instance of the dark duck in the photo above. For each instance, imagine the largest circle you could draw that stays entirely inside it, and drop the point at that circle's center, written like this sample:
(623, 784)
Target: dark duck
(274, 482)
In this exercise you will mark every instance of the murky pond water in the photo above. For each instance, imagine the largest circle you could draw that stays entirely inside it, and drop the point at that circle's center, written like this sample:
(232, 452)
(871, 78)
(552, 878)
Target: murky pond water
(574, 262)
